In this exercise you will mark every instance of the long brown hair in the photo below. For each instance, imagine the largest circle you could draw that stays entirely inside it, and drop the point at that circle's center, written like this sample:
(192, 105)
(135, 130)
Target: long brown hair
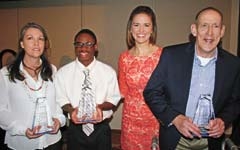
(141, 10)
(46, 70)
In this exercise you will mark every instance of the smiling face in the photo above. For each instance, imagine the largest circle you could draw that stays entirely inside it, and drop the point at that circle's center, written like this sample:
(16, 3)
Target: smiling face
(33, 43)
(208, 32)
(85, 48)
(141, 28)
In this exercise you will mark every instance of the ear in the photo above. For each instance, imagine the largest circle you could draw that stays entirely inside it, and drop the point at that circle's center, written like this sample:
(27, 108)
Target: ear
(194, 29)
(223, 30)
(21, 44)
(96, 47)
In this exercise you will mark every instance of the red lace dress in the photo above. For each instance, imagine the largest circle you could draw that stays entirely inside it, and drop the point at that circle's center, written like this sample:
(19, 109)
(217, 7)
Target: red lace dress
(138, 123)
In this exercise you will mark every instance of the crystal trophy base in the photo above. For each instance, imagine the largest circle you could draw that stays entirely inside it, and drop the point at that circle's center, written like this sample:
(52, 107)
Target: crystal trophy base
(42, 118)
(86, 112)
(85, 117)
(204, 131)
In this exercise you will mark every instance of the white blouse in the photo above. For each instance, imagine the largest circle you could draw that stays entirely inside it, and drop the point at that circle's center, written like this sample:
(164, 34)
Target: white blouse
(17, 104)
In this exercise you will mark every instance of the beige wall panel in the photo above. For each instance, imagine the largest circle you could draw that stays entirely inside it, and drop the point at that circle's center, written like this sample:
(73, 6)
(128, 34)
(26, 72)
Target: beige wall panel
(8, 29)
(234, 27)
(175, 18)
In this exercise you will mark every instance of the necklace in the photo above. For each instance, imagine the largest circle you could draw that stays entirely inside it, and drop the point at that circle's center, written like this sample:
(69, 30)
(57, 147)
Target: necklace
(30, 68)
(32, 89)
(33, 93)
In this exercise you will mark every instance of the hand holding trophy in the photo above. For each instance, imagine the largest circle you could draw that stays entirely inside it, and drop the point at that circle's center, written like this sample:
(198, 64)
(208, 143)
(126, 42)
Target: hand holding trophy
(42, 120)
(204, 113)
(86, 109)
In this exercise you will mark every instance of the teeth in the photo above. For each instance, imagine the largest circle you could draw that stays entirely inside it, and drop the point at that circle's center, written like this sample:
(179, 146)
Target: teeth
(83, 53)
(208, 40)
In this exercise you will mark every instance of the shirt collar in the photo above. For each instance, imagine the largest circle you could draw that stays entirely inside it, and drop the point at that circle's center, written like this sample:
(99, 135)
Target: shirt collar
(213, 59)
(90, 66)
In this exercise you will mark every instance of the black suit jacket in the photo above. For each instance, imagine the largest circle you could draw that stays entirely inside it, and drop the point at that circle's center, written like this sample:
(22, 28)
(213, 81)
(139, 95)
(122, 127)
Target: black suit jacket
(168, 88)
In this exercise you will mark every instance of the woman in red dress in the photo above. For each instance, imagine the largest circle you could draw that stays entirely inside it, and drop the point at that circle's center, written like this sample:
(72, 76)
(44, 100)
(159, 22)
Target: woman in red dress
(135, 66)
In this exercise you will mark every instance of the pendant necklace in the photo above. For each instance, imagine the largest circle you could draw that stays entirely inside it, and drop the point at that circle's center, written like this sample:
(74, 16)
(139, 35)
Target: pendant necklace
(30, 68)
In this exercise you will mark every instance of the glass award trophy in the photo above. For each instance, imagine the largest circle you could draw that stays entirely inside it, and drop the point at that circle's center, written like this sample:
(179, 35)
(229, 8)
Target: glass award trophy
(42, 117)
(86, 108)
(87, 104)
(204, 113)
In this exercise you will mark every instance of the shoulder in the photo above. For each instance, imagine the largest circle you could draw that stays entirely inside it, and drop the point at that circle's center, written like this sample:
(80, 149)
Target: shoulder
(228, 57)
(179, 46)
(179, 50)
(68, 66)
(124, 53)
(101, 66)
(54, 68)
(4, 71)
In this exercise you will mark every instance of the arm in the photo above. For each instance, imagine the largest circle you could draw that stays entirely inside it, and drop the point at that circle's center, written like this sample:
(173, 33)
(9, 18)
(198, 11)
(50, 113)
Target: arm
(72, 112)
(59, 119)
(99, 111)
(8, 120)
(156, 92)
(228, 111)
(122, 76)
(62, 98)
(111, 97)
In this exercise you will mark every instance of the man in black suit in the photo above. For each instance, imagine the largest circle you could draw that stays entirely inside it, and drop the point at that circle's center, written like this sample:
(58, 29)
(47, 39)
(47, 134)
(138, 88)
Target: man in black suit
(187, 72)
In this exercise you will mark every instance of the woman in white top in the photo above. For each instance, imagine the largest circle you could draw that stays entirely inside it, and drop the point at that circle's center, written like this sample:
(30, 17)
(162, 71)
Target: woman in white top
(26, 85)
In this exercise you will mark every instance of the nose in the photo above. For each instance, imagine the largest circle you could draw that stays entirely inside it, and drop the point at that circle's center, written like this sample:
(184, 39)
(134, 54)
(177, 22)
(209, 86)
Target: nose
(36, 42)
(141, 28)
(210, 30)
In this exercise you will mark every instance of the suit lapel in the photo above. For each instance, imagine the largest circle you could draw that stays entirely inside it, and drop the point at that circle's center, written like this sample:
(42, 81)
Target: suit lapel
(187, 71)
(219, 74)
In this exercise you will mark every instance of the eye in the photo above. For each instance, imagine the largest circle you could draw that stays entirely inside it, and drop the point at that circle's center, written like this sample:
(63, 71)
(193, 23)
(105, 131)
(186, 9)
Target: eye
(216, 26)
(89, 44)
(29, 37)
(78, 44)
(204, 25)
(147, 24)
(41, 38)
(135, 24)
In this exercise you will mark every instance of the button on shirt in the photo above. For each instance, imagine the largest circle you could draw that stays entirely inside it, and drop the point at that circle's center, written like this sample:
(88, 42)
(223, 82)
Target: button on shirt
(202, 82)
(69, 80)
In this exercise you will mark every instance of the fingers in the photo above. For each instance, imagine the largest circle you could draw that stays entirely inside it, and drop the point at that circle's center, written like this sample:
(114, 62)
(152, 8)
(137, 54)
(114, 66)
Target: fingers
(56, 126)
(186, 127)
(96, 118)
(32, 133)
(74, 117)
(98, 115)
(216, 128)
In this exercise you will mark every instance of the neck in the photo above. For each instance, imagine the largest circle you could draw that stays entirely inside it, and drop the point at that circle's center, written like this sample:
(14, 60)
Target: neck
(33, 67)
(143, 49)
(33, 64)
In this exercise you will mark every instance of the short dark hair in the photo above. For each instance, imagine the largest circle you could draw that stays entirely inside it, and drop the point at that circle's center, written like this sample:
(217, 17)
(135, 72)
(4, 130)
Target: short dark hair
(87, 31)
(208, 8)
(4, 51)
